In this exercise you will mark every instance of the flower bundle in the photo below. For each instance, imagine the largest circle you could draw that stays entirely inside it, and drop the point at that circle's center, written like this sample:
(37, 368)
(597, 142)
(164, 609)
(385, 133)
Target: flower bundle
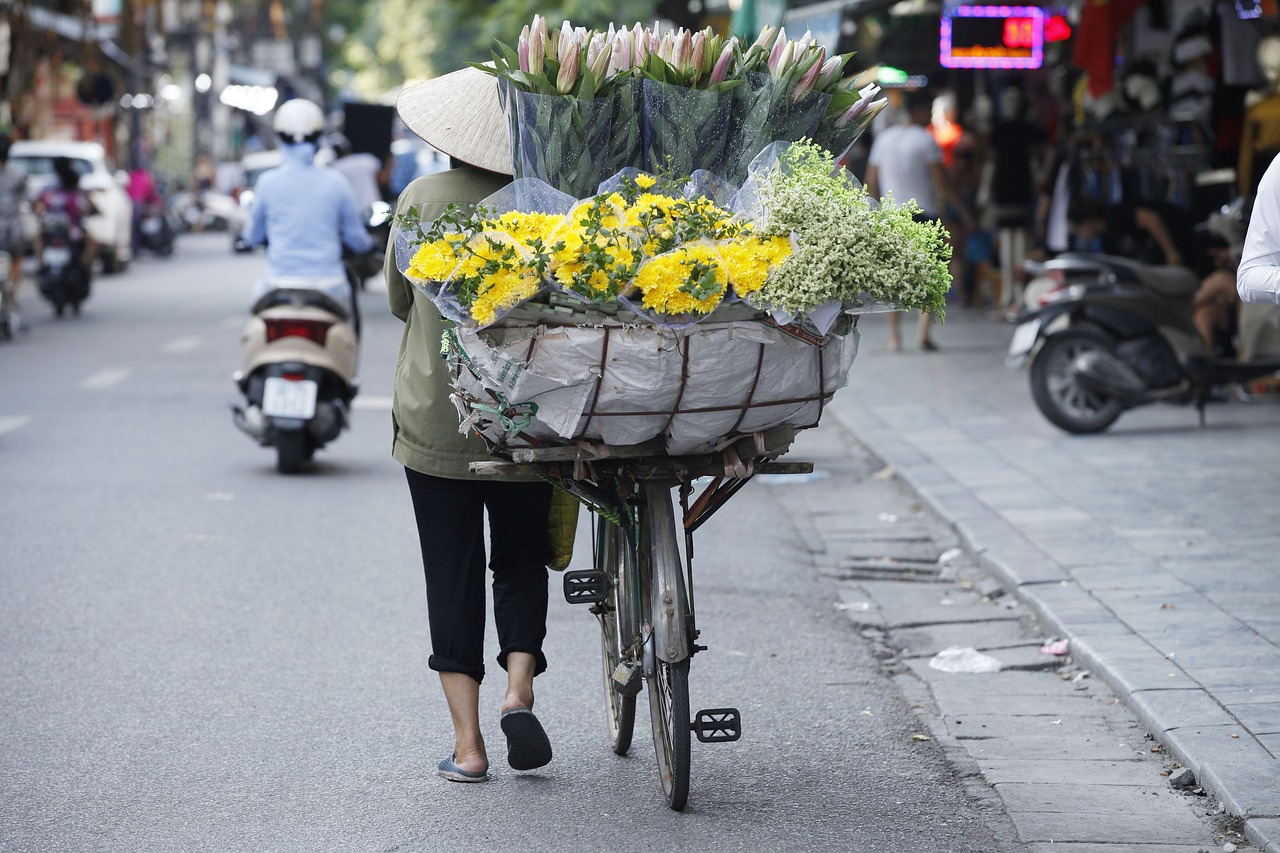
(849, 250)
(672, 258)
(585, 104)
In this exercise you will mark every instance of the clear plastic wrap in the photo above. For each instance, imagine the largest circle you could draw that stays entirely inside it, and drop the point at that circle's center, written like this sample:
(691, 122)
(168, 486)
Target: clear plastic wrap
(693, 388)
(562, 140)
(684, 128)
(763, 112)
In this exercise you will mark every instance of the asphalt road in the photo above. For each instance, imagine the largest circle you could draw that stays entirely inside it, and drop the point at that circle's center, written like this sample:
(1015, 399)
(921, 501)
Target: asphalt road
(197, 653)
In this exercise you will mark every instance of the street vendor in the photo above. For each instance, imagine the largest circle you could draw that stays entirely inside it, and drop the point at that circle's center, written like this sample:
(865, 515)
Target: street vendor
(460, 115)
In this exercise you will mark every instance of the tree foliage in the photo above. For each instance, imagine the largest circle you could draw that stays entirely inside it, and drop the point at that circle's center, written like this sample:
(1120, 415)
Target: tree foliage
(404, 40)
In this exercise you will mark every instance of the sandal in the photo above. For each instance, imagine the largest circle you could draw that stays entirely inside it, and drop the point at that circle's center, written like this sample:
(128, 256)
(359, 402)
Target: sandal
(527, 744)
(448, 769)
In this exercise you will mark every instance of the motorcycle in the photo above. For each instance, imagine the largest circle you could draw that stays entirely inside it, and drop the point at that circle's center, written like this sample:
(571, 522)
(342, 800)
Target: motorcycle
(62, 276)
(204, 210)
(299, 351)
(1110, 334)
(155, 231)
(360, 268)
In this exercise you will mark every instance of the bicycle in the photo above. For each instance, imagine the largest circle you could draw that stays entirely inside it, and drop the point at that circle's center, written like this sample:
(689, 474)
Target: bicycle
(641, 588)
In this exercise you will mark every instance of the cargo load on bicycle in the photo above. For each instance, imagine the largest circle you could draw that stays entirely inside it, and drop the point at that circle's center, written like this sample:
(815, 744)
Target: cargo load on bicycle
(680, 258)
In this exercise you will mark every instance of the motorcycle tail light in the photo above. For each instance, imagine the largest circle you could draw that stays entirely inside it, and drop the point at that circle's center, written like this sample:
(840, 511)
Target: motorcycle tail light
(315, 330)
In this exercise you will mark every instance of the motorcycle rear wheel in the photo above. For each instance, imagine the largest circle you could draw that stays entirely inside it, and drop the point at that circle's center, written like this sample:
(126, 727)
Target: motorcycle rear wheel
(1057, 392)
(292, 451)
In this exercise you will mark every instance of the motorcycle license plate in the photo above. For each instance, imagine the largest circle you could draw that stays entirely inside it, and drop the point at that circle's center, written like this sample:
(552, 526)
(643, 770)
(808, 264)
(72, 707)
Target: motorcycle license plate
(289, 398)
(1024, 338)
(56, 256)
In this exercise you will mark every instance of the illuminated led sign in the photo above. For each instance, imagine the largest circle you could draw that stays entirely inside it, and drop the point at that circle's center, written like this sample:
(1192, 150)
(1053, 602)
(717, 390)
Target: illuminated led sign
(992, 37)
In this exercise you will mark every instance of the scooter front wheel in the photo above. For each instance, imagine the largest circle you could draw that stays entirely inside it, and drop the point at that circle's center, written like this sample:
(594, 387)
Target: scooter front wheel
(1057, 390)
(292, 451)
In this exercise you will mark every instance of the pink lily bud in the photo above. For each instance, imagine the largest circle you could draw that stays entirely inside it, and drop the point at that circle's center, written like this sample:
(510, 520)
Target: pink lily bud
(682, 53)
(621, 59)
(859, 107)
(568, 75)
(568, 43)
(831, 71)
(779, 44)
(698, 54)
(600, 66)
(764, 41)
(779, 67)
(665, 48)
(809, 79)
(522, 49)
(594, 45)
(537, 50)
(640, 46)
(803, 44)
(721, 69)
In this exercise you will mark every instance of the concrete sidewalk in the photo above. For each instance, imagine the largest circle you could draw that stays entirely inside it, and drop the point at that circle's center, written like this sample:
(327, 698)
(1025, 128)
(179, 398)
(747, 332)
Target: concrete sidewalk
(1153, 547)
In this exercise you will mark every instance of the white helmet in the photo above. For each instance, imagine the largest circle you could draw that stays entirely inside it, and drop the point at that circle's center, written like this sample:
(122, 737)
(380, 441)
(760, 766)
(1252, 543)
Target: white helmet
(298, 120)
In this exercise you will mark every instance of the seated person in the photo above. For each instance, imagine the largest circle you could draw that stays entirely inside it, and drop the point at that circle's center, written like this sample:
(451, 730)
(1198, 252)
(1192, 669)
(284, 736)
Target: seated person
(1152, 232)
(1216, 306)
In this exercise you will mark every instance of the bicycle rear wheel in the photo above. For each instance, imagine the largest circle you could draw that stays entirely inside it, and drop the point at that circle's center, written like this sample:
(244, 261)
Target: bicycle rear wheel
(615, 557)
(669, 684)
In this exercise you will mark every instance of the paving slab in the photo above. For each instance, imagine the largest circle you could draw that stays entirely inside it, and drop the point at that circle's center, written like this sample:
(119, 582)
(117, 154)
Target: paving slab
(1092, 773)
(1113, 829)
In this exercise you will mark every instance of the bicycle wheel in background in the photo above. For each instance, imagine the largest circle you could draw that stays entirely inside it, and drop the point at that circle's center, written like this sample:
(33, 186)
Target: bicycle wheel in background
(669, 686)
(618, 628)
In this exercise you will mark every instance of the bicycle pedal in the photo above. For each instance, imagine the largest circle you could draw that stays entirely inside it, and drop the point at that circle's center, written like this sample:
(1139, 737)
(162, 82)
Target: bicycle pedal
(717, 725)
(586, 586)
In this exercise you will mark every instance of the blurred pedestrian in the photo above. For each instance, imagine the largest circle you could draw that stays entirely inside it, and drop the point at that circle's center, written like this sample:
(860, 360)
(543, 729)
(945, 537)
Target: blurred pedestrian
(144, 194)
(13, 185)
(905, 164)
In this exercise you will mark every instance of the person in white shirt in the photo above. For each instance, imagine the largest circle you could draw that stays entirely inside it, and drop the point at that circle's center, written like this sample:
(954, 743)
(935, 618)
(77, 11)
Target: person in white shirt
(1258, 277)
(361, 169)
(906, 163)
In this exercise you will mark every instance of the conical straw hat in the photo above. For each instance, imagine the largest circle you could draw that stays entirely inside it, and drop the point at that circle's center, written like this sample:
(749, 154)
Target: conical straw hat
(460, 114)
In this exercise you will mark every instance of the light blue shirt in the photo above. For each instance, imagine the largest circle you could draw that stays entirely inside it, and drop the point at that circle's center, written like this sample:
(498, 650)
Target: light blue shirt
(306, 213)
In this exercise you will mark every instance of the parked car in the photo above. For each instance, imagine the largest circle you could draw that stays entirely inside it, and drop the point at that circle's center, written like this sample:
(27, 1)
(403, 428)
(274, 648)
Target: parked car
(112, 226)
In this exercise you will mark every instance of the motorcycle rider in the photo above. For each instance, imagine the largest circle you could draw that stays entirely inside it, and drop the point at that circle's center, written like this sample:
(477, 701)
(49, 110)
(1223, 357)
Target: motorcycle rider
(305, 214)
(66, 199)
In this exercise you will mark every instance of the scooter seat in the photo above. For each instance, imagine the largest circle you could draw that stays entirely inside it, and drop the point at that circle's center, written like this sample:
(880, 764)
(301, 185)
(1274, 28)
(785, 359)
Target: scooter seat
(1172, 282)
(301, 296)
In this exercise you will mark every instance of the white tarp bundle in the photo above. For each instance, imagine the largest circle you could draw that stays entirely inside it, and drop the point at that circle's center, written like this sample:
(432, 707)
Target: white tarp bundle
(623, 385)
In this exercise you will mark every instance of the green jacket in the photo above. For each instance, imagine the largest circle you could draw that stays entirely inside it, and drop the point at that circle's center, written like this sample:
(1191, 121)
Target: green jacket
(424, 420)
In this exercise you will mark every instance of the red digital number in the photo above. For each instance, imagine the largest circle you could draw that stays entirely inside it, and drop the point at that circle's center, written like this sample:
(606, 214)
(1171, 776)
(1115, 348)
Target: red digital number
(1018, 32)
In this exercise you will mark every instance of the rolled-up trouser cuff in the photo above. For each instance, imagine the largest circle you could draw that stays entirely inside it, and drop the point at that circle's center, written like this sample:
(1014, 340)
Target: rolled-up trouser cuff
(440, 664)
(540, 660)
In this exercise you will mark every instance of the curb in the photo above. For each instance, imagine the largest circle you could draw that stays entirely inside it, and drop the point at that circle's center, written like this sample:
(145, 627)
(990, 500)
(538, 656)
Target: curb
(1176, 710)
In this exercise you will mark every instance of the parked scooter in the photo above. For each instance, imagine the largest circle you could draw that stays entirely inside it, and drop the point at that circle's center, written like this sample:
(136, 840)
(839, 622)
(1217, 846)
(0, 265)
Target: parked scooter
(62, 276)
(1110, 334)
(298, 377)
(155, 231)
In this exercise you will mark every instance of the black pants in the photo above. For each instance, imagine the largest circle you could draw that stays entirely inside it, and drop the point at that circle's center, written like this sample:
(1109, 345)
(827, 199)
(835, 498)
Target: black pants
(450, 515)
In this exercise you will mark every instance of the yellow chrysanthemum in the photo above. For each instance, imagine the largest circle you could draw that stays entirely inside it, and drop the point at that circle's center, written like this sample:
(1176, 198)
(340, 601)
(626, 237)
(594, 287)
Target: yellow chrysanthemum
(525, 227)
(688, 280)
(500, 291)
(751, 259)
(435, 259)
(645, 181)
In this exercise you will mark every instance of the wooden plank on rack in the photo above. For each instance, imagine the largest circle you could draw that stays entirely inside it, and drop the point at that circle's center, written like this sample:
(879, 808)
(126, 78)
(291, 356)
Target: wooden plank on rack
(574, 453)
